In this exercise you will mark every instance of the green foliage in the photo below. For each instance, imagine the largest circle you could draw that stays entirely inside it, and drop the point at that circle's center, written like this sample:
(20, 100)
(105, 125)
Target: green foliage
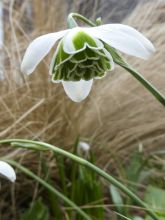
(139, 168)
(74, 184)
(134, 167)
(37, 211)
(156, 198)
(137, 218)
(117, 199)
(81, 185)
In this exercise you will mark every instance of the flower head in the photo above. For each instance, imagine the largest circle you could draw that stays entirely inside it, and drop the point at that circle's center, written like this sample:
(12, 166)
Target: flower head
(84, 146)
(83, 149)
(7, 171)
(83, 54)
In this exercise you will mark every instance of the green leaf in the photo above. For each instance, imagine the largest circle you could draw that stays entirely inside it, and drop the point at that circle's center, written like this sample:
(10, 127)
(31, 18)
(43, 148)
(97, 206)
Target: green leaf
(28, 146)
(149, 218)
(38, 211)
(155, 197)
(134, 168)
(137, 218)
(117, 199)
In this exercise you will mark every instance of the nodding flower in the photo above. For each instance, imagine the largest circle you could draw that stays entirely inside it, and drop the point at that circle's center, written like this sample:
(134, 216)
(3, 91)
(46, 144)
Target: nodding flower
(84, 54)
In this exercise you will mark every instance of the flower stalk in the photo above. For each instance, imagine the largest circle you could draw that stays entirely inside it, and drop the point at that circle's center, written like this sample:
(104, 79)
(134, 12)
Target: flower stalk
(36, 145)
(152, 89)
(72, 23)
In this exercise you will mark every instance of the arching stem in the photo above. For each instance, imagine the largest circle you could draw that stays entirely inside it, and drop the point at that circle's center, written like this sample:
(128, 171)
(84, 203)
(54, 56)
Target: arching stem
(72, 23)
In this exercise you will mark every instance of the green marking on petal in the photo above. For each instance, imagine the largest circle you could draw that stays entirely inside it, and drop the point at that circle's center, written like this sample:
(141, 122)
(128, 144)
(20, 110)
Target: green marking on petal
(86, 64)
(101, 53)
(88, 74)
(81, 38)
(79, 57)
(98, 67)
(57, 75)
(71, 66)
(92, 54)
(102, 63)
(108, 64)
(61, 57)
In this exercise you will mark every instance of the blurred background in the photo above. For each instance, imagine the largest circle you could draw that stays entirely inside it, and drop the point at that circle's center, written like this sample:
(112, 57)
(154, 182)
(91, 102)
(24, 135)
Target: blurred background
(118, 118)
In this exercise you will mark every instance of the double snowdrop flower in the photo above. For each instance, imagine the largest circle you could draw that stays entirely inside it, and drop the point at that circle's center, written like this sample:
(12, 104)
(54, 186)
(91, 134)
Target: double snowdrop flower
(7, 171)
(84, 54)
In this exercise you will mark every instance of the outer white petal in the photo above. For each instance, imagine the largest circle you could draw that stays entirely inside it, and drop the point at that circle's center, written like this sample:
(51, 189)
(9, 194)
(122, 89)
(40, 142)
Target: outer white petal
(124, 38)
(77, 91)
(38, 49)
(7, 171)
(134, 33)
(68, 44)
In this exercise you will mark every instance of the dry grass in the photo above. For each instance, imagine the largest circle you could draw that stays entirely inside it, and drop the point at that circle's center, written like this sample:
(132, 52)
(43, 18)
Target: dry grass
(119, 113)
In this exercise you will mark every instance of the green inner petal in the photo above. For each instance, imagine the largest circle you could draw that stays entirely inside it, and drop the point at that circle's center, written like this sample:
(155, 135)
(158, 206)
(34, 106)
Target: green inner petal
(71, 66)
(79, 57)
(108, 64)
(82, 38)
(61, 57)
(86, 64)
(92, 54)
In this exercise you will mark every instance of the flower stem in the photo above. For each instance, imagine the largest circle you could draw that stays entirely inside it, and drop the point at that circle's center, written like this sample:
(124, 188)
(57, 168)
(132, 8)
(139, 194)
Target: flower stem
(160, 97)
(83, 162)
(72, 23)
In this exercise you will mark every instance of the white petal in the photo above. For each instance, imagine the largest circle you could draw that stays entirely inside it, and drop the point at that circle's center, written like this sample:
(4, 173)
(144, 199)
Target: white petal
(7, 171)
(134, 33)
(77, 91)
(38, 49)
(124, 38)
(83, 146)
(69, 46)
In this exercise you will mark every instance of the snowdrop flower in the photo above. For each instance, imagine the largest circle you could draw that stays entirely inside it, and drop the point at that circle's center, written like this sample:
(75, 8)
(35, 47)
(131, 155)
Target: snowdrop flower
(83, 54)
(7, 171)
(83, 149)
(84, 146)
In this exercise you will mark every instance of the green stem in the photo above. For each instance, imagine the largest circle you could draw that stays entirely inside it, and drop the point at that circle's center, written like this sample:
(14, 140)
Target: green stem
(87, 164)
(72, 23)
(145, 83)
(49, 187)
